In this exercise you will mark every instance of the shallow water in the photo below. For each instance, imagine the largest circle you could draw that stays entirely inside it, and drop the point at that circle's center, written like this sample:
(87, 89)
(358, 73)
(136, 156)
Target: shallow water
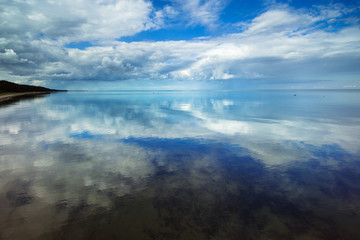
(181, 165)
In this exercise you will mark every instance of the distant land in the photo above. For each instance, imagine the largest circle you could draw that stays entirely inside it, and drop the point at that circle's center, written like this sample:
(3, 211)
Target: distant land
(10, 91)
(10, 87)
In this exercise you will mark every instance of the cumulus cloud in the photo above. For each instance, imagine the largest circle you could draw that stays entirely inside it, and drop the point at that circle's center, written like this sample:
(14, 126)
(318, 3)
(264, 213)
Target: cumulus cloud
(76, 20)
(9, 56)
(280, 44)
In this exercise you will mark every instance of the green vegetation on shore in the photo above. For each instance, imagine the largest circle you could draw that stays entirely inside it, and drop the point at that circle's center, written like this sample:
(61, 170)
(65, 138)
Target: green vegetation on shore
(9, 87)
(11, 92)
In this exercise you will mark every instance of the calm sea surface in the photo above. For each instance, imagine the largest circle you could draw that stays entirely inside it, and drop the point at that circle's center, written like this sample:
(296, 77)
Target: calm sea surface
(181, 165)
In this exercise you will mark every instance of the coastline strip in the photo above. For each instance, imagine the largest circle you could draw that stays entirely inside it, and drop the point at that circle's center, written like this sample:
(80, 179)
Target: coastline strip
(6, 96)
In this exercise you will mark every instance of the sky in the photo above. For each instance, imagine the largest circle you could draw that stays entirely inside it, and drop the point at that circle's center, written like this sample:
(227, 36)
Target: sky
(181, 44)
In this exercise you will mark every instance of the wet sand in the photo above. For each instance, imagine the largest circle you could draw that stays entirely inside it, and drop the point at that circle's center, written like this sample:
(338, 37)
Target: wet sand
(8, 98)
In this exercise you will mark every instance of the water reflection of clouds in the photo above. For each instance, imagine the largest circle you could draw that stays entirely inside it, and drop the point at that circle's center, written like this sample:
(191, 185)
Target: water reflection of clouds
(259, 135)
(64, 154)
(63, 169)
(180, 118)
(271, 140)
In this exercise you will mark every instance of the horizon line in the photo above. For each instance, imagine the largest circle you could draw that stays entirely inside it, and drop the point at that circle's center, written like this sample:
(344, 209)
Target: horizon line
(211, 90)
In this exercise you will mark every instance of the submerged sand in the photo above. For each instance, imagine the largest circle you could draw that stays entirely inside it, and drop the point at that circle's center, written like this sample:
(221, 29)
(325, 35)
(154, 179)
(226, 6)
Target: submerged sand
(9, 96)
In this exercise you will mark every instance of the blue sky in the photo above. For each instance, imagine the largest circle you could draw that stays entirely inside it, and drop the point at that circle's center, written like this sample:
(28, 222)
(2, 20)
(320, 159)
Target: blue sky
(181, 44)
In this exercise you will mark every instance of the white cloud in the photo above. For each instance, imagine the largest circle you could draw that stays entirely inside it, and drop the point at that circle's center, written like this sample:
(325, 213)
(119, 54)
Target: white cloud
(205, 13)
(279, 21)
(77, 20)
(278, 44)
(9, 56)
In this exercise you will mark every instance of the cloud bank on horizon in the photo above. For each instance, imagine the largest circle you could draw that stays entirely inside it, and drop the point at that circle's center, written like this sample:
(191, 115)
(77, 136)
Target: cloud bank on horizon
(181, 44)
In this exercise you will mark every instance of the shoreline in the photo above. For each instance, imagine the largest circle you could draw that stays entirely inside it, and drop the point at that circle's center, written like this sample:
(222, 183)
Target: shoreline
(8, 96)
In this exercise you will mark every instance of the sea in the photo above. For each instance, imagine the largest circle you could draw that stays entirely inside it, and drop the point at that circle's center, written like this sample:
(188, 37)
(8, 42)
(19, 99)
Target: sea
(181, 165)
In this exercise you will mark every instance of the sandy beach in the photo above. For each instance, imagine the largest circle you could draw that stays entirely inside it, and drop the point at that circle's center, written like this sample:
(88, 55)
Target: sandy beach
(8, 96)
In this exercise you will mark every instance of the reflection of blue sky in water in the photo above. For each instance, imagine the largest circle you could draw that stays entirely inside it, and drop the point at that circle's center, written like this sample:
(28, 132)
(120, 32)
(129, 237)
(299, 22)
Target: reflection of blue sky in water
(282, 157)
